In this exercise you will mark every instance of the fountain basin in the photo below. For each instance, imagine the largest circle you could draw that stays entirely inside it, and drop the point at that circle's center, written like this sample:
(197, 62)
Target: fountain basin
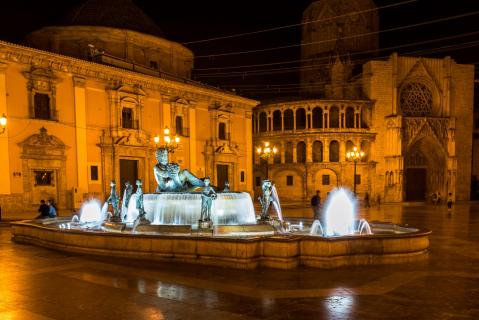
(393, 244)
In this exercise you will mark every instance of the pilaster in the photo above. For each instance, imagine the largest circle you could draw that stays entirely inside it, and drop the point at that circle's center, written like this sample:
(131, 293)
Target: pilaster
(5, 183)
(80, 133)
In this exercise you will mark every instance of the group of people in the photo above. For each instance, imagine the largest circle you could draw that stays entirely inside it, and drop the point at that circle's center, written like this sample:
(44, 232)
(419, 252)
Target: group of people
(436, 199)
(47, 209)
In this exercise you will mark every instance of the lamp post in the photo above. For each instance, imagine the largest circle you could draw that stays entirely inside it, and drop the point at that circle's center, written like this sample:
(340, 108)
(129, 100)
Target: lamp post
(171, 142)
(3, 123)
(355, 155)
(265, 153)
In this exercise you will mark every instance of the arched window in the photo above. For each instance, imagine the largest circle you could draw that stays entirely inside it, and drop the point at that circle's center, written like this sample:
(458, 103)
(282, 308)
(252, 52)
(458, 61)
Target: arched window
(317, 117)
(301, 152)
(127, 118)
(317, 151)
(222, 131)
(334, 117)
(366, 148)
(416, 100)
(349, 117)
(300, 119)
(179, 125)
(277, 120)
(334, 151)
(254, 124)
(277, 156)
(288, 119)
(262, 122)
(288, 153)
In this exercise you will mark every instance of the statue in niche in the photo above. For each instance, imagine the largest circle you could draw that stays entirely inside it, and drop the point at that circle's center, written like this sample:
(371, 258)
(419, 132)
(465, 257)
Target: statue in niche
(169, 176)
(208, 194)
(126, 198)
(266, 198)
(114, 201)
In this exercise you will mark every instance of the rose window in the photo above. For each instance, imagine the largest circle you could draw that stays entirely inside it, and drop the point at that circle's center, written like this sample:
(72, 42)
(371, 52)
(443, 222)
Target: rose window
(416, 100)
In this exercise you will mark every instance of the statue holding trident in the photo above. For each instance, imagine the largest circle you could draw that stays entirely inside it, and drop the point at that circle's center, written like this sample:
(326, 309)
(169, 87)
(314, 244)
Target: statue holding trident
(208, 194)
(114, 200)
(169, 176)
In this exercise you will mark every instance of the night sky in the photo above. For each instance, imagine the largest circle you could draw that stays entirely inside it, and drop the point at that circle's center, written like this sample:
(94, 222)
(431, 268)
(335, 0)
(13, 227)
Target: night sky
(184, 21)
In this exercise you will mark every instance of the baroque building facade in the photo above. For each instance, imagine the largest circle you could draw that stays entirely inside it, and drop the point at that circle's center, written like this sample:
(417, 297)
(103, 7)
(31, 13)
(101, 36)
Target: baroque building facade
(412, 116)
(74, 124)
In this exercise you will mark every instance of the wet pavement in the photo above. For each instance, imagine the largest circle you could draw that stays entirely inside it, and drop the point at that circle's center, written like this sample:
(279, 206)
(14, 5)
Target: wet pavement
(37, 283)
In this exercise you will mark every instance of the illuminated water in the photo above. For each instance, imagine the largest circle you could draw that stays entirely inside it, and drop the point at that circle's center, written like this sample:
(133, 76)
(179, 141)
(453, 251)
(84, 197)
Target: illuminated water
(340, 216)
(92, 212)
(185, 208)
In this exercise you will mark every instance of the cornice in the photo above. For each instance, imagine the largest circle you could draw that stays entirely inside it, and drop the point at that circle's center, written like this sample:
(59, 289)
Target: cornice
(80, 68)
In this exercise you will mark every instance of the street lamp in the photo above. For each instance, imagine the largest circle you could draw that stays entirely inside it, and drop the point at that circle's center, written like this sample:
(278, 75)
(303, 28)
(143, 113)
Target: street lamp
(265, 153)
(171, 142)
(355, 156)
(3, 123)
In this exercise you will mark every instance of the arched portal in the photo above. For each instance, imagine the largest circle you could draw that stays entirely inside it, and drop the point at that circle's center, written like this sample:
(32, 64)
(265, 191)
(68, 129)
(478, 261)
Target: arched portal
(425, 170)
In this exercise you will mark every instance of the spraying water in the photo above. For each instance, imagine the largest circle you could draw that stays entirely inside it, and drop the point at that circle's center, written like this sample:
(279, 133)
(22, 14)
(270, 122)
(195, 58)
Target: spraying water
(276, 203)
(93, 212)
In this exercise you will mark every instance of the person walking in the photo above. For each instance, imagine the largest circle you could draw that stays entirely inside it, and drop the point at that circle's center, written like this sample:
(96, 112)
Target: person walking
(366, 199)
(316, 205)
(52, 212)
(449, 203)
(43, 210)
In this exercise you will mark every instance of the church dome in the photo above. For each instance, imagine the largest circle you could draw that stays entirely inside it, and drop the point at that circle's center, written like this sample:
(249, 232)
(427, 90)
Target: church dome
(120, 14)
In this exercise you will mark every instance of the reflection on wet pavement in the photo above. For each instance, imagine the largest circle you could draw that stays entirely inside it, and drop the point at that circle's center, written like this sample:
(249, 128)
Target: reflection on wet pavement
(37, 283)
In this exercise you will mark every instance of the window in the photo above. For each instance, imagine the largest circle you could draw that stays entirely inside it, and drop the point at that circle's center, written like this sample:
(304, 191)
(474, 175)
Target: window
(325, 180)
(242, 176)
(301, 152)
(277, 157)
(127, 118)
(258, 181)
(289, 180)
(277, 121)
(358, 179)
(179, 125)
(288, 119)
(334, 117)
(262, 122)
(222, 131)
(43, 177)
(416, 100)
(349, 117)
(42, 106)
(94, 173)
(154, 65)
(317, 117)
(317, 151)
(334, 151)
(300, 119)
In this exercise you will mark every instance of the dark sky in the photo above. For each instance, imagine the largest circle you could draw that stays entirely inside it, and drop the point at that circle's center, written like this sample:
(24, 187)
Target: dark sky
(184, 21)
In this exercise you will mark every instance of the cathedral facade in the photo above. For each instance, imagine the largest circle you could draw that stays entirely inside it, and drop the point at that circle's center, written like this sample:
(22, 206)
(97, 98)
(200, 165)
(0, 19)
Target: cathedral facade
(411, 116)
(86, 108)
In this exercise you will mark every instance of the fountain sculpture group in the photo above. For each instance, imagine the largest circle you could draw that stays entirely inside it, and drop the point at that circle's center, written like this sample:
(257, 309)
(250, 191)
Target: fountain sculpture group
(199, 217)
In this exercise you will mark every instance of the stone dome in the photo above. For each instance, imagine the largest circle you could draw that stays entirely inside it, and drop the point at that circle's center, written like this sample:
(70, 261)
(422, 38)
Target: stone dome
(119, 14)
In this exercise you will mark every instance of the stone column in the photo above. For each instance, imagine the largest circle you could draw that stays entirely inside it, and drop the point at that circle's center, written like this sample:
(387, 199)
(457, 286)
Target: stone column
(295, 156)
(282, 121)
(326, 150)
(5, 183)
(283, 154)
(309, 150)
(192, 129)
(342, 151)
(80, 133)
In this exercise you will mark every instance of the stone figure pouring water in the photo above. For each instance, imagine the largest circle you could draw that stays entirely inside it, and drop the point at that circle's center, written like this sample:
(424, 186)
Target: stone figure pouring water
(114, 200)
(266, 198)
(208, 194)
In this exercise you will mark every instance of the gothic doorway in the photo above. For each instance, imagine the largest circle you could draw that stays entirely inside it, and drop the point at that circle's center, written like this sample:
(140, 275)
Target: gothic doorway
(128, 172)
(425, 168)
(416, 184)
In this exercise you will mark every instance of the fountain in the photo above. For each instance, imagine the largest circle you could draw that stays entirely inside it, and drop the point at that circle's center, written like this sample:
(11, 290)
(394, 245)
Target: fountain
(187, 220)
(340, 216)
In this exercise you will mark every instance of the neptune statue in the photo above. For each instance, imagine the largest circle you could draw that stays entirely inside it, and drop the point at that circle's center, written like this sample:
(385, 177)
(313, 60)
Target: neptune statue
(169, 176)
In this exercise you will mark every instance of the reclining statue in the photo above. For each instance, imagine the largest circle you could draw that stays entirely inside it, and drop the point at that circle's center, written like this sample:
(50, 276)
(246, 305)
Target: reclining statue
(169, 176)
